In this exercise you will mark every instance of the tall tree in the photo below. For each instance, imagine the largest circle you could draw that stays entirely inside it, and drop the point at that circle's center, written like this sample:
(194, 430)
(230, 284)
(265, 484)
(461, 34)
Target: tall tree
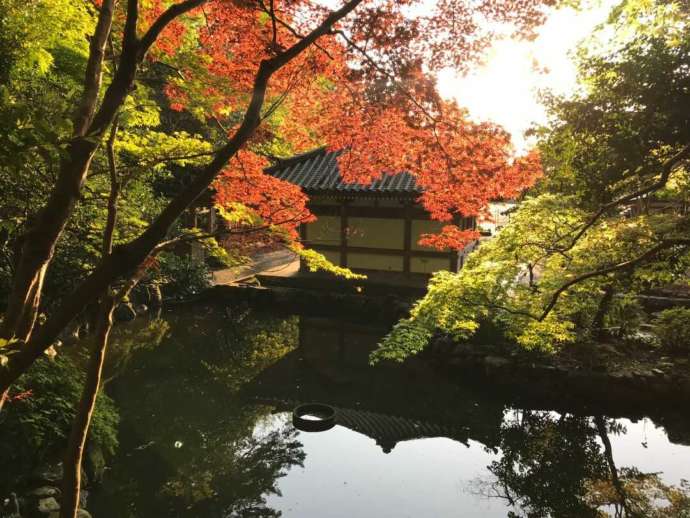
(576, 255)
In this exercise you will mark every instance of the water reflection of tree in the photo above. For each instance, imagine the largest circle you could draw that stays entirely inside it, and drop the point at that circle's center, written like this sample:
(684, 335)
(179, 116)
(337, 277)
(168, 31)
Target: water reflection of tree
(191, 445)
(247, 344)
(563, 466)
(545, 463)
(233, 478)
(628, 492)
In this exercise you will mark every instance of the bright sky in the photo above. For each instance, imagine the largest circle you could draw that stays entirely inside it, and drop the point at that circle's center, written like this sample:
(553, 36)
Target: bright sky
(504, 90)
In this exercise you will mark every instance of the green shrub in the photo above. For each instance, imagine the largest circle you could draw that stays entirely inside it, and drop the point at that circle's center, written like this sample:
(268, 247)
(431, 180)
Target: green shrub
(672, 326)
(35, 426)
(183, 275)
(626, 314)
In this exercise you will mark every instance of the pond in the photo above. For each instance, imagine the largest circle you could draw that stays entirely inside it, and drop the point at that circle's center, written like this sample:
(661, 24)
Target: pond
(205, 396)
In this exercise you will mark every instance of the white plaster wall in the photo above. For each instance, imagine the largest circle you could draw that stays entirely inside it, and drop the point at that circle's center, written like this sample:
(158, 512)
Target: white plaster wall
(429, 264)
(498, 215)
(325, 230)
(375, 262)
(420, 227)
(376, 233)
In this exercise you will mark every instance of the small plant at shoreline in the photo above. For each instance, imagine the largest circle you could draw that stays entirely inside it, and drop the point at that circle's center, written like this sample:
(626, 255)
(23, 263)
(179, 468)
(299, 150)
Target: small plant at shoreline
(183, 275)
(672, 326)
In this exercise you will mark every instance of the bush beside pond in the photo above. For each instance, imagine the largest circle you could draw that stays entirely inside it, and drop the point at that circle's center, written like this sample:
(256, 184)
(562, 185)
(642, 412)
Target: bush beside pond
(35, 424)
(672, 326)
(183, 275)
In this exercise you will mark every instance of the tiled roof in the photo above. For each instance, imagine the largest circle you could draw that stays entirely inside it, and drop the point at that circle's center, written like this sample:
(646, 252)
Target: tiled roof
(317, 172)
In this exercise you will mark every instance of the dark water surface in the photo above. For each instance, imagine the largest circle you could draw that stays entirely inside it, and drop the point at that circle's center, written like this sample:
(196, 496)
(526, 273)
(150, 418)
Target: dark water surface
(205, 396)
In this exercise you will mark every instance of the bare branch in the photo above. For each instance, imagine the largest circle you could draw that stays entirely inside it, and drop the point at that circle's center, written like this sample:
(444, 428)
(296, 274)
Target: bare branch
(219, 233)
(94, 69)
(272, 13)
(162, 22)
(324, 28)
(666, 169)
(277, 20)
(385, 72)
(111, 219)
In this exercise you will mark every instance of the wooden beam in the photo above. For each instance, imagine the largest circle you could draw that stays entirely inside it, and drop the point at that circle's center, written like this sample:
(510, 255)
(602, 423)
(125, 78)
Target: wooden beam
(370, 212)
(376, 251)
(359, 195)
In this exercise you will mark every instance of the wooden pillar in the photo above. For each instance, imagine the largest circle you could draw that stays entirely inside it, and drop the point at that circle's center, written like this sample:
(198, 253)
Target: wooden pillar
(303, 238)
(454, 258)
(455, 262)
(212, 219)
(407, 242)
(303, 232)
(343, 233)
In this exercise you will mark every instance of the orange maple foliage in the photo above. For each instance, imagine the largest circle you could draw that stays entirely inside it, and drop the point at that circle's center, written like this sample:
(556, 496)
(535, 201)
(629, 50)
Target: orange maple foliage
(365, 87)
(277, 202)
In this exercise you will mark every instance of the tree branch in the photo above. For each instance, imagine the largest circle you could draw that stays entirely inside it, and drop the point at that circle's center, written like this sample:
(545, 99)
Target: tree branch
(114, 194)
(663, 245)
(666, 169)
(94, 69)
(162, 22)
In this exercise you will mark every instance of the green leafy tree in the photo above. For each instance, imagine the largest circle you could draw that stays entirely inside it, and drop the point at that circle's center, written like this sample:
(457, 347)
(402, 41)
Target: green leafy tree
(569, 265)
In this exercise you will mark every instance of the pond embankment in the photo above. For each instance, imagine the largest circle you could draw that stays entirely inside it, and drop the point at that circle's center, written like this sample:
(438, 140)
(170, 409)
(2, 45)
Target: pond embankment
(599, 376)
(611, 375)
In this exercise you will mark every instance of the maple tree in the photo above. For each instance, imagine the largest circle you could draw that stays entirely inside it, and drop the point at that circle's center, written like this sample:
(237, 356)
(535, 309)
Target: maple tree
(260, 55)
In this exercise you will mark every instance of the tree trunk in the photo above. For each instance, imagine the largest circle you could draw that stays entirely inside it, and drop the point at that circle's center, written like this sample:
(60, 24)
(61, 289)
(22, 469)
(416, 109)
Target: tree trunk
(39, 243)
(3, 398)
(89, 126)
(598, 321)
(71, 481)
(113, 196)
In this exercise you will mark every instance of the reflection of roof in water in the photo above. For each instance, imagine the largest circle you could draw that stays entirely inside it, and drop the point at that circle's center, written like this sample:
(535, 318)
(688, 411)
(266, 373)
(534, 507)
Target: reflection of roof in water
(387, 430)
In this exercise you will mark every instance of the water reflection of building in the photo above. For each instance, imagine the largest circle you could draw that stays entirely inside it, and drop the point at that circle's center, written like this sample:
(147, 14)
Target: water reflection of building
(389, 404)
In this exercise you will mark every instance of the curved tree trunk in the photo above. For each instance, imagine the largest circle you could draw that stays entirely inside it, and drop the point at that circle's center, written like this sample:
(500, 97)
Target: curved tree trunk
(90, 124)
(71, 481)
(40, 240)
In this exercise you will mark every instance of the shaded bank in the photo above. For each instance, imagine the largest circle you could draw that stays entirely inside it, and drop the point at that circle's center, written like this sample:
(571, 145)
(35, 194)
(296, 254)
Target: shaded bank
(604, 376)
